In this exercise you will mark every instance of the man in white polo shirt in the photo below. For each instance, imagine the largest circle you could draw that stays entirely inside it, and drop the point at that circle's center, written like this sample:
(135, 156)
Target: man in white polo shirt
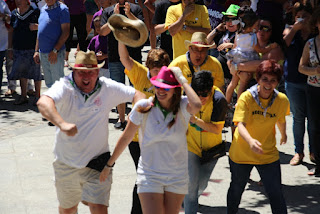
(79, 106)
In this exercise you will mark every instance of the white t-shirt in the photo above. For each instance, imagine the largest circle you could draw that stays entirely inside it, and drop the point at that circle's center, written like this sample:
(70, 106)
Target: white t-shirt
(3, 30)
(91, 118)
(164, 151)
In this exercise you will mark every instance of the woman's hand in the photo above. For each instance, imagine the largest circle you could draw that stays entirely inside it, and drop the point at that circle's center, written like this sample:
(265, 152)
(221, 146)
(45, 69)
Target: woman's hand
(255, 146)
(105, 173)
(224, 46)
(283, 139)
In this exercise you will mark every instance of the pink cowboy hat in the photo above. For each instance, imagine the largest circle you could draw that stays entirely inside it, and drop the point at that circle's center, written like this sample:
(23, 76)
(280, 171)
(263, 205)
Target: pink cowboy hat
(165, 79)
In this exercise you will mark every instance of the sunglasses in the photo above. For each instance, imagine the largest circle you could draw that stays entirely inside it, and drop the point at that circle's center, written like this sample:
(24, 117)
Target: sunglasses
(203, 93)
(230, 19)
(265, 28)
(166, 89)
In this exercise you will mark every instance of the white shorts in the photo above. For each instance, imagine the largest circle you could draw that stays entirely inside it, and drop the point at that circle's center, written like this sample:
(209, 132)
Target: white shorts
(74, 185)
(161, 184)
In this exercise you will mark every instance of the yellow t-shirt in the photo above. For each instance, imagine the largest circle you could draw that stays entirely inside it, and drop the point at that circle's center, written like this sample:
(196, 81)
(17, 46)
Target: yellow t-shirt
(212, 65)
(213, 112)
(138, 76)
(198, 18)
(259, 127)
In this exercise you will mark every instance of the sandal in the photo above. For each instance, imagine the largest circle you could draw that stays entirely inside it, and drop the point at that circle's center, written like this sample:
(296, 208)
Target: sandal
(297, 159)
(10, 92)
(21, 101)
(314, 171)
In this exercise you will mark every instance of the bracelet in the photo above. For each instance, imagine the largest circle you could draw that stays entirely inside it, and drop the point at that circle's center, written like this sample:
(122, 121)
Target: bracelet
(107, 165)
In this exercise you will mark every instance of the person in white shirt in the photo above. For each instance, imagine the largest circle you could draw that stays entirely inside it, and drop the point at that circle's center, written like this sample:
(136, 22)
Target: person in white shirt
(79, 106)
(163, 165)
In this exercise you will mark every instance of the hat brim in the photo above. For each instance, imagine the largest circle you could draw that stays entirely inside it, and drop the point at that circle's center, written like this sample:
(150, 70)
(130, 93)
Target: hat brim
(228, 14)
(188, 43)
(155, 82)
(72, 65)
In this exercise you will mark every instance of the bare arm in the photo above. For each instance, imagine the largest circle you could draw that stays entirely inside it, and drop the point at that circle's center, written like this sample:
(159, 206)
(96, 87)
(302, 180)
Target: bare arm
(122, 144)
(105, 30)
(282, 129)
(125, 59)
(191, 29)
(149, 5)
(207, 126)
(289, 33)
(159, 29)
(65, 31)
(48, 110)
(194, 104)
(304, 67)
(254, 144)
(177, 26)
(138, 96)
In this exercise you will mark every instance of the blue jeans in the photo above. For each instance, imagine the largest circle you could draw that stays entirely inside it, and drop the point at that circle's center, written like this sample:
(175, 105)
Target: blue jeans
(52, 72)
(2, 55)
(199, 176)
(271, 177)
(297, 94)
(314, 120)
(116, 70)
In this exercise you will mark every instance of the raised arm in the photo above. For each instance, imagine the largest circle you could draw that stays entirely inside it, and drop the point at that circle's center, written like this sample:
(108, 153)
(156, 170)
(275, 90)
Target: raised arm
(125, 59)
(48, 110)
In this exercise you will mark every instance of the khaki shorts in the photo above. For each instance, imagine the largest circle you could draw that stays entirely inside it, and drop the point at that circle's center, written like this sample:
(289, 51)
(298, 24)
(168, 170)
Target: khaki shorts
(74, 185)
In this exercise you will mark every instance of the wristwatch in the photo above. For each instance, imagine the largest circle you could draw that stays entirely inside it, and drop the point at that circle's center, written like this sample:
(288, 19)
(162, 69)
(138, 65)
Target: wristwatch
(55, 50)
(184, 27)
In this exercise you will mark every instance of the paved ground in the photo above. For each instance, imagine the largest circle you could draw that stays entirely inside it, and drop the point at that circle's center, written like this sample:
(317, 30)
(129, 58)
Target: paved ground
(27, 181)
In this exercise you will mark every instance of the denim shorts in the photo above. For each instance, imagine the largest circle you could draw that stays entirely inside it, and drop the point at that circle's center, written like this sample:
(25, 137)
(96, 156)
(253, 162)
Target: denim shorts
(52, 72)
(91, 7)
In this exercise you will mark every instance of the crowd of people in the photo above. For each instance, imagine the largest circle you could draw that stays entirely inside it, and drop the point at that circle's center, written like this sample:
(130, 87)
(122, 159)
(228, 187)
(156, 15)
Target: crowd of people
(220, 63)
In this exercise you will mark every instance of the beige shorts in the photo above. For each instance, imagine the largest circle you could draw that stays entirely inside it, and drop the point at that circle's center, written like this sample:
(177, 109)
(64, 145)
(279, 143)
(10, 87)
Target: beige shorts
(74, 185)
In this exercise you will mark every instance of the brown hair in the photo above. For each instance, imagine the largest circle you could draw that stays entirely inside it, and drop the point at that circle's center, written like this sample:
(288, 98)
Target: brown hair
(270, 67)
(157, 58)
(174, 105)
(304, 6)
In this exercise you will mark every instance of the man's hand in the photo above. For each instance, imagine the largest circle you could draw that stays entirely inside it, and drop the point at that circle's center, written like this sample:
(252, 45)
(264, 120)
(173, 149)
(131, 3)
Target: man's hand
(127, 9)
(52, 57)
(69, 129)
(188, 10)
(178, 75)
(36, 57)
(105, 173)
(116, 9)
(255, 146)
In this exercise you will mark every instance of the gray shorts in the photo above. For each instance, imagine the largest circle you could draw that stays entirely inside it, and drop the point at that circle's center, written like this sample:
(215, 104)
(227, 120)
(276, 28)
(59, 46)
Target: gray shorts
(74, 185)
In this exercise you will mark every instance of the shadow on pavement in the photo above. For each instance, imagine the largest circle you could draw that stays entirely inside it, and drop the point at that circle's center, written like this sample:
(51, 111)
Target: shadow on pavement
(221, 210)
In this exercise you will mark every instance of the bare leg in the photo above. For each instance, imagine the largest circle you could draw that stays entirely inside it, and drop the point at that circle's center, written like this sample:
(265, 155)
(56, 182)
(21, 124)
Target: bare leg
(72, 210)
(23, 85)
(233, 84)
(121, 111)
(172, 202)
(98, 208)
(37, 85)
(152, 203)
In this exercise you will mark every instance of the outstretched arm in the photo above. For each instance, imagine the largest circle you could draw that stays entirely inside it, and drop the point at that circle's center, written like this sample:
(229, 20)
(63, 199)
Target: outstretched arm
(48, 110)
(122, 143)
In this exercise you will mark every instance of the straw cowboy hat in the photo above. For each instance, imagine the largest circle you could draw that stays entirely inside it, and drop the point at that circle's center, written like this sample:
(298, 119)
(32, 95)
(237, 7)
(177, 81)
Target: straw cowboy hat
(133, 33)
(86, 61)
(198, 39)
(165, 79)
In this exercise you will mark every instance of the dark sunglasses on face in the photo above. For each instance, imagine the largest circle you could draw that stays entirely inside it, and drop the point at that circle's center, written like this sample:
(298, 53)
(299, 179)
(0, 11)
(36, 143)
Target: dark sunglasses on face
(203, 93)
(230, 19)
(166, 89)
(265, 28)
